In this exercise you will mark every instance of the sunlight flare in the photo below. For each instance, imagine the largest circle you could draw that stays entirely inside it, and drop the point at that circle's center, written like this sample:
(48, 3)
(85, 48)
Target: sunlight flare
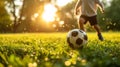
(49, 13)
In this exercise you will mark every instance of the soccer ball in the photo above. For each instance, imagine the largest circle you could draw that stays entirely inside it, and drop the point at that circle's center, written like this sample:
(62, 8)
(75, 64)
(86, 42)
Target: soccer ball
(76, 38)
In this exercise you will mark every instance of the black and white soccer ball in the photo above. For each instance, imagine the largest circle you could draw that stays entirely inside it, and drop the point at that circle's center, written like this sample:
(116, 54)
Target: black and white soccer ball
(76, 38)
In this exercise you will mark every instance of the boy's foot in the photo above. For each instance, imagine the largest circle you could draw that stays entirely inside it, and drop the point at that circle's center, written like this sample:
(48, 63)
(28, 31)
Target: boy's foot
(100, 37)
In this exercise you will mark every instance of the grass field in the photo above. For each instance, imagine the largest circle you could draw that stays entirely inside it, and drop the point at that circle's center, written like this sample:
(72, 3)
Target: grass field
(51, 50)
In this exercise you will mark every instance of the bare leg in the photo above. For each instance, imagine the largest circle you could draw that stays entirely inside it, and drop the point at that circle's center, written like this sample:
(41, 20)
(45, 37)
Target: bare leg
(97, 28)
(81, 24)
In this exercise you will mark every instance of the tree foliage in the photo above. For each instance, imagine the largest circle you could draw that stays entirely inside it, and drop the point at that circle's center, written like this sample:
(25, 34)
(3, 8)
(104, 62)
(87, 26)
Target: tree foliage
(67, 15)
(113, 15)
(5, 22)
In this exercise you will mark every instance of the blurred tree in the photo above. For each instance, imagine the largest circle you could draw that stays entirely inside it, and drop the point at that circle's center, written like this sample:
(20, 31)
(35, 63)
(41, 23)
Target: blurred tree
(32, 13)
(28, 10)
(25, 19)
(5, 22)
(12, 7)
(66, 14)
(113, 20)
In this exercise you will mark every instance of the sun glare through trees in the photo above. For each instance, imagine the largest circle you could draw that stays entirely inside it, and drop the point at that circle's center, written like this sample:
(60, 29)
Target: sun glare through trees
(50, 10)
(49, 13)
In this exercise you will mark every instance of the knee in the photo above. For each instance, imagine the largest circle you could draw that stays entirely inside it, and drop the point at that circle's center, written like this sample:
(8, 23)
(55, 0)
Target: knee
(81, 21)
(96, 26)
